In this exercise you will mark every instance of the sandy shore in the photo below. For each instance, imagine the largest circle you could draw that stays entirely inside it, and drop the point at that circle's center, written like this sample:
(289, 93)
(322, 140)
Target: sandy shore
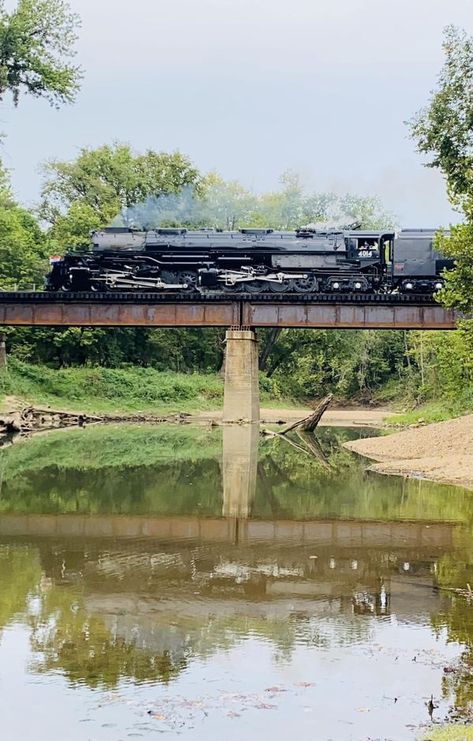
(440, 452)
(331, 418)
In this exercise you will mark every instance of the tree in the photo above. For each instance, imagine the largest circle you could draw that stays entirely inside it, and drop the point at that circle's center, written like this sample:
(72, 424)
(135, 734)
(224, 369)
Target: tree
(224, 204)
(36, 45)
(293, 206)
(22, 243)
(108, 183)
(443, 131)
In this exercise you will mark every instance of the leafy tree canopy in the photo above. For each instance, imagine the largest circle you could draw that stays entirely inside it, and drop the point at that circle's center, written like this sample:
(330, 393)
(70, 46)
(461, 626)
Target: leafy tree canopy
(103, 184)
(443, 130)
(22, 243)
(36, 48)
(229, 205)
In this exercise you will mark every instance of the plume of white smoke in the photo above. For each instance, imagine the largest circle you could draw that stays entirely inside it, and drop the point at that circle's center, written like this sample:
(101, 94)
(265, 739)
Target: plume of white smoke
(168, 209)
(226, 206)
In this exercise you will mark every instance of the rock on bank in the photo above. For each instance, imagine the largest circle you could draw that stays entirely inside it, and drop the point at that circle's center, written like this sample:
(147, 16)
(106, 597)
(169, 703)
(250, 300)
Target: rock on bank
(442, 452)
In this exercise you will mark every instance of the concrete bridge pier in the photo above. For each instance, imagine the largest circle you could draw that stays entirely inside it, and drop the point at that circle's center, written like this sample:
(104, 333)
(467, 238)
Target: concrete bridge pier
(241, 396)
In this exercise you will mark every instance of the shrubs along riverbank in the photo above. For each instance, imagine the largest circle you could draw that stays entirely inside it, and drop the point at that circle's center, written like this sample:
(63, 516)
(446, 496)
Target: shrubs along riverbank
(111, 390)
(95, 389)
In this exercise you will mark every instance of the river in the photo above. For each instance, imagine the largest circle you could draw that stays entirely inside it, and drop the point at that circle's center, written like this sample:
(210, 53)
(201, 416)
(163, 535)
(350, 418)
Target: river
(203, 583)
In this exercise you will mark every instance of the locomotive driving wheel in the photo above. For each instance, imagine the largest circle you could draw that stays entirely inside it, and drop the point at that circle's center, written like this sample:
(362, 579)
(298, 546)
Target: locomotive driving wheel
(168, 277)
(254, 286)
(304, 285)
(277, 287)
(187, 278)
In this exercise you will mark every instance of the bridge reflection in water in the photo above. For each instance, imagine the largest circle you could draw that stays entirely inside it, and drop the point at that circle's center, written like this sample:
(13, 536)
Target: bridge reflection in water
(239, 465)
(363, 563)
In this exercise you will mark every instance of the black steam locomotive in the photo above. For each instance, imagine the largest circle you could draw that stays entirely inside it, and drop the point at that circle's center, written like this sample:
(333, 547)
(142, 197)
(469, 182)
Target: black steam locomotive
(253, 261)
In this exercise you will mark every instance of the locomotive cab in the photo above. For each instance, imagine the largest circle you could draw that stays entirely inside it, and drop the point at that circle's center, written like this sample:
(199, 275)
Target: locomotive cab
(417, 265)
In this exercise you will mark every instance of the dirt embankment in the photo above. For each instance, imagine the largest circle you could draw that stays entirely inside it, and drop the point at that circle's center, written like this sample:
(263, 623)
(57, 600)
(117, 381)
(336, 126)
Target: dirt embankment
(441, 452)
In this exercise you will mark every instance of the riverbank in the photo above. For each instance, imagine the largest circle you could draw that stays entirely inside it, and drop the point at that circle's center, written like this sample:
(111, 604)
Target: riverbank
(441, 452)
(149, 393)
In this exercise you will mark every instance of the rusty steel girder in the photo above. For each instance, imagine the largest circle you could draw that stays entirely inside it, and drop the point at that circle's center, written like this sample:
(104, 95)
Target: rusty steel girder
(342, 316)
(232, 313)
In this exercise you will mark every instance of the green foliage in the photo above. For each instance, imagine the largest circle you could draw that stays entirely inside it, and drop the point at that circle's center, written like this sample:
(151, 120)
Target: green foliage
(104, 389)
(441, 366)
(444, 129)
(23, 259)
(458, 245)
(36, 44)
(22, 243)
(101, 184)
(176, 349)
(309, 364)
(228, 205)
(427, 412)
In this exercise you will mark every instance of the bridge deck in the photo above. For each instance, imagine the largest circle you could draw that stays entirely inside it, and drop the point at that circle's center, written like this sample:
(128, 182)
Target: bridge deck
(245, 310)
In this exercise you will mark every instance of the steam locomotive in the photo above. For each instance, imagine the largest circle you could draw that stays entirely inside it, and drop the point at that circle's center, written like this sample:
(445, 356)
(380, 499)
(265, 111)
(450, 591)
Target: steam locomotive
(253, 261)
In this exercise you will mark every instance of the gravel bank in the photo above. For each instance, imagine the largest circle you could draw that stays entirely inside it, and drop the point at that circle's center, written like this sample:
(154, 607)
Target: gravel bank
(442, 452)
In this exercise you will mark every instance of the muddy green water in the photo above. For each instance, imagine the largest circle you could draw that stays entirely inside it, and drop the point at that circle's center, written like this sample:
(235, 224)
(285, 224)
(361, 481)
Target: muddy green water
(204, 584)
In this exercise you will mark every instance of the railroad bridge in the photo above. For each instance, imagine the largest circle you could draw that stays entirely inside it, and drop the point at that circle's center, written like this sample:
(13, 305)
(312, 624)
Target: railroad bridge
(243, 313)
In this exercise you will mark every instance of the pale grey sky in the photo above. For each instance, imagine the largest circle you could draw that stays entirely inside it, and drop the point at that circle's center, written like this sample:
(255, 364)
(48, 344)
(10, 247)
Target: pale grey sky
(251, 88)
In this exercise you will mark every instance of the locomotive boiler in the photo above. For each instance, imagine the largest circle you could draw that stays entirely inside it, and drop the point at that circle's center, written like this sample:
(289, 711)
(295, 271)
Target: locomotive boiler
(253, 261)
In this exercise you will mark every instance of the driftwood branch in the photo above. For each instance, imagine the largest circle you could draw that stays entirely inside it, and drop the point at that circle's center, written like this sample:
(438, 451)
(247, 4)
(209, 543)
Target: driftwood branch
(309, 423)
(36, 419)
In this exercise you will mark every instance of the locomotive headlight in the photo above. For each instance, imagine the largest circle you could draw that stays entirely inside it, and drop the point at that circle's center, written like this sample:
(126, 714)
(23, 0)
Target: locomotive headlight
(357, 285)
(336, 285)
(438, 286)
(408, 286)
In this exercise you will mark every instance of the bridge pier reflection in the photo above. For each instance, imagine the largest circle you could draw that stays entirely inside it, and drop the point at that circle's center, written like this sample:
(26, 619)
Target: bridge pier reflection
(239, 468)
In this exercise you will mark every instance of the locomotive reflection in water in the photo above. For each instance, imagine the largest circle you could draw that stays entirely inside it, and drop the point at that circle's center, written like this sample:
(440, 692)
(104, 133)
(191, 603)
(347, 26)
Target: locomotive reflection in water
(254, 260)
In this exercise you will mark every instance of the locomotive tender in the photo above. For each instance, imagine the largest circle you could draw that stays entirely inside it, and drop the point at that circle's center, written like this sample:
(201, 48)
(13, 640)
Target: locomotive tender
(253, 261)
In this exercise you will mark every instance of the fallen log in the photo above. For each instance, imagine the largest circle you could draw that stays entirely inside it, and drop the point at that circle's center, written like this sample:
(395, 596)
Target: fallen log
(12, 422)
(35, 419)
(309, 423)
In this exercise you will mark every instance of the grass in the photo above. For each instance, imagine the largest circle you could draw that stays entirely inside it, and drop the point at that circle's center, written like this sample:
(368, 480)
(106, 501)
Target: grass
(112, 390)
(429, 412)
(395, 395)
(116, 390)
